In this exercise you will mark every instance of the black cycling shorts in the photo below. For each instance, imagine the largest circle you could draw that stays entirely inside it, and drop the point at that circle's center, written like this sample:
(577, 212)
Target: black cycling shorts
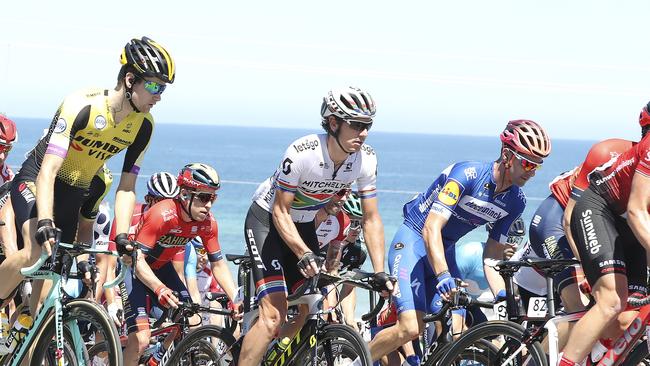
(606, 243)
(274, 265)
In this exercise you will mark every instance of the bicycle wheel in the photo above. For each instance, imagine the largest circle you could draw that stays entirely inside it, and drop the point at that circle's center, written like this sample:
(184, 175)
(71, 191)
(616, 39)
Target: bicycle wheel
(208, 345)
(98, 354)
(336, 344)
(82, 317)
(506, 337)
(69, 353)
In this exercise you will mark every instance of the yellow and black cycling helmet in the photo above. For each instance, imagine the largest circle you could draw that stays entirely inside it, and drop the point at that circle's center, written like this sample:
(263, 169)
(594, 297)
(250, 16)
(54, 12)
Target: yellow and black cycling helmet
(149, 59)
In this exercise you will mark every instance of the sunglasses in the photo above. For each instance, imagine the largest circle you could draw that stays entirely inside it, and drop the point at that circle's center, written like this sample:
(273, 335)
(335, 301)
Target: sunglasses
(527, 164)
(359, 126)
(205, 197)
(154, 88)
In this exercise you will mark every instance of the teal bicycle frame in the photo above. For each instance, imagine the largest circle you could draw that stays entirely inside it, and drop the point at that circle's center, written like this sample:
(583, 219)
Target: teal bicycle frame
(53, 301)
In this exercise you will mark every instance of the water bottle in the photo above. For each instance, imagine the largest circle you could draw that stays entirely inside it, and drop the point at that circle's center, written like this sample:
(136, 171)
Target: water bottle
(19, 330)
(156, 355)
(4, 322)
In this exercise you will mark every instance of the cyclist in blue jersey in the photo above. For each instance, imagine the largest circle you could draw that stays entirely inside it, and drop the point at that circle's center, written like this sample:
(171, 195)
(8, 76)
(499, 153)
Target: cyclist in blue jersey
(465, 196)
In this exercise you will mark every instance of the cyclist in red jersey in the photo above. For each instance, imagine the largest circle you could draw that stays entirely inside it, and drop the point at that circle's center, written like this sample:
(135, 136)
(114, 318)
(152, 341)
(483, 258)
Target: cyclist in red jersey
(8, 136)
(610, 225)
(166, 227)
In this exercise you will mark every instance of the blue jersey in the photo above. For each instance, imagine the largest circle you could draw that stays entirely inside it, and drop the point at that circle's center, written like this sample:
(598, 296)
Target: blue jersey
(464, 194)
(469, 260)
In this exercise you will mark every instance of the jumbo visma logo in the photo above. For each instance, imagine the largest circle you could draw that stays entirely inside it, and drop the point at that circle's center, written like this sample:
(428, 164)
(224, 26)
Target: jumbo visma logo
(450, 193)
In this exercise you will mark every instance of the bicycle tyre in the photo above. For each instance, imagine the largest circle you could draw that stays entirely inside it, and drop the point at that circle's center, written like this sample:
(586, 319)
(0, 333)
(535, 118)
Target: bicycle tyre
(439, 353)
(195, 347)
(470, 343)
(640, 355)
(332, 342)
(69, 354)
(87, 311)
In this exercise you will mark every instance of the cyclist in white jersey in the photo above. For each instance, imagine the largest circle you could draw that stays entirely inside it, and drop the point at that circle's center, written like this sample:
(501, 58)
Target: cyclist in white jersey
(313, 169)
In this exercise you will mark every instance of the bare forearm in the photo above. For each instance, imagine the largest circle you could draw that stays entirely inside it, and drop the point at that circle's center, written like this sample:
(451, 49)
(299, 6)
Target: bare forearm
(289, 233)
(639, 221)
(124, 203)
(494, 251)
(45, 195)
(222, 274)
(435, 249)
(373, 233)
(145, 274)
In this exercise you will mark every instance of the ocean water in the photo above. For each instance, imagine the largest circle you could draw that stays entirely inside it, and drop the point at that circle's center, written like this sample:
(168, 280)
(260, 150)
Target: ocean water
(245, 156)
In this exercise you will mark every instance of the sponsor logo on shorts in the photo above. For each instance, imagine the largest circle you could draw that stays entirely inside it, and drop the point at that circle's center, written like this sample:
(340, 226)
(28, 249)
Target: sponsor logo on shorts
(589, 234)
(399, 246)
(536, 220)
(397, 293)
(27, 190)
(450, 193)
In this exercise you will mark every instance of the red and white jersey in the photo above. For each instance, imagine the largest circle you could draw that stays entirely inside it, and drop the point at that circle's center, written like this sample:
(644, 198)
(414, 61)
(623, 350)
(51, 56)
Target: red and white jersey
(163, 233)
(206, 281)
(138, 214)
(613, 180)
(571, 184)
(6, 174)
(333, 228)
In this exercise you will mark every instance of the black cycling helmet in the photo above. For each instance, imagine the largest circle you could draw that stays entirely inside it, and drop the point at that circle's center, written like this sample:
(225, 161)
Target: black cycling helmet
(149, 59)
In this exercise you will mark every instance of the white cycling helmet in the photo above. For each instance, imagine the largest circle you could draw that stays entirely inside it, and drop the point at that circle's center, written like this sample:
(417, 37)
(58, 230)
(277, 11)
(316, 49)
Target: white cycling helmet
(163, 185)
(349, 104)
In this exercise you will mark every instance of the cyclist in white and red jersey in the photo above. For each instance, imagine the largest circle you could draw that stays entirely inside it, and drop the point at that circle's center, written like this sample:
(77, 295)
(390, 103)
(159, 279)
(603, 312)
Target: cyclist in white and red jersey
(281, 219)
(8, 136)
(165, 229)
(610, 224)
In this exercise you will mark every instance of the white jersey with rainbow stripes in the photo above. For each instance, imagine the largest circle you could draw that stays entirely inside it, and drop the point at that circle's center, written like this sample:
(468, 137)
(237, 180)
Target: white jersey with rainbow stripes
(307, 170)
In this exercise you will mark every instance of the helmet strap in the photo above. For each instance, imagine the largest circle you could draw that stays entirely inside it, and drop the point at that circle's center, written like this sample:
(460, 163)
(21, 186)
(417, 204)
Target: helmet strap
(188, 210)
(129, 95)
(335, 134)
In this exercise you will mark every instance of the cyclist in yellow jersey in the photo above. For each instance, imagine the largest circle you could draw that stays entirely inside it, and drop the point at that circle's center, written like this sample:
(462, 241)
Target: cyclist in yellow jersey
(89, 127)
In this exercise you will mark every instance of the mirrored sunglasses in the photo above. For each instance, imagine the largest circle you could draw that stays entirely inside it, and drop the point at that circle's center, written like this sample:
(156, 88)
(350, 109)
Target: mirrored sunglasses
(527, 164)
(153, 87)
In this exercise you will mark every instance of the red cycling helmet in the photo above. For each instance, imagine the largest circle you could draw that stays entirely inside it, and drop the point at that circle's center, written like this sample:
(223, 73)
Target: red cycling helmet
(8, 133)
(644, 117)
(199, 176)
(526, 137)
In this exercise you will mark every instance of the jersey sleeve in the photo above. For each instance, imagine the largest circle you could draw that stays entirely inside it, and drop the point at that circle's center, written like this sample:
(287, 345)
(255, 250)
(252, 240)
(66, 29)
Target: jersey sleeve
(453, 188)
(367, 181)
(643, 153)
(211, 242)
(71, 116)
(135, 152)
(156, 223)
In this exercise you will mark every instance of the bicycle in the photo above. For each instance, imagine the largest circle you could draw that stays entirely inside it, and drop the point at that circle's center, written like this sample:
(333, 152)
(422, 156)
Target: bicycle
(57, 333)
(516, 344)
(318, 341)
(179, 326)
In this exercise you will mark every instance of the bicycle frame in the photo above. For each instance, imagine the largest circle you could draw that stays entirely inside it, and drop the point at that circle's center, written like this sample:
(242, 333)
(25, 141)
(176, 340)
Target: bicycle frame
(52, 303)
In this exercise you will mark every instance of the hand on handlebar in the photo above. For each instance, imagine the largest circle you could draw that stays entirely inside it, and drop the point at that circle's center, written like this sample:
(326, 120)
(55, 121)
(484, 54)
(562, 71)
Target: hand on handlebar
(308, 264)
(384, 282)
(237, 310)
(47, 235)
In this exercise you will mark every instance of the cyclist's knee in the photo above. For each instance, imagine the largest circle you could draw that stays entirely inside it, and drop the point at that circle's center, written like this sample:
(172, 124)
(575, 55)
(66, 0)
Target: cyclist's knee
(611, 295)
(407, 326)
(272, 314)
(143, 337)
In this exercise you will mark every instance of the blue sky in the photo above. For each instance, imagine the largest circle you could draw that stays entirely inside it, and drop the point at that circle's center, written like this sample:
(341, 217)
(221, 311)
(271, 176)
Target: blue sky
(580, 68)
